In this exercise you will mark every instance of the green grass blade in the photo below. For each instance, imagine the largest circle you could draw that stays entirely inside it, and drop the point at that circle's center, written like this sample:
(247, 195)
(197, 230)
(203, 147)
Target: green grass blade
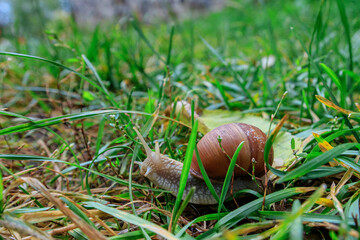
(43, 159)
(332, 136)
(336, 81)
(350, 163)
(183, 206)
(213, 51)
(78, 234)
(345, 23)
(78, 212)
(283, 229)
(328, 89)
(2, 202)
(55, 64)
(207, 217)
(170, 45)
(94, 45)
(64, 118)
(297, 228)
(307, 217)
(186, 168)
(223, 94)
(100, 135)
(228, 177)
(129, 218)
(267, 149)
(332, 76)
(317, 30)
(354, 115)
(244, 211)
(323, 172)
(133, 235)
(240, 81)
(317, 162)
(352, 208)
(144, 38)
(104, 89)
(59, 119)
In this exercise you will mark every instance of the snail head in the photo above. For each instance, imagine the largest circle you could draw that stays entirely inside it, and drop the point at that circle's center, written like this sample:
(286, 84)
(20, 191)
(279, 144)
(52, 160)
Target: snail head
(153, 159)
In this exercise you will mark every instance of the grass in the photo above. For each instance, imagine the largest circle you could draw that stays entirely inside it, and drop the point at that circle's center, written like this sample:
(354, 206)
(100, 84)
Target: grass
(70, 99)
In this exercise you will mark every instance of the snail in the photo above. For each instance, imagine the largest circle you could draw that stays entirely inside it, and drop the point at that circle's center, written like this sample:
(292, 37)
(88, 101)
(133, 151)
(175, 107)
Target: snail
(165, 172)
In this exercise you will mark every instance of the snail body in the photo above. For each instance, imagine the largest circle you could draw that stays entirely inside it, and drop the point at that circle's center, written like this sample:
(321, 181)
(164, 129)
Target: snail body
(165, 172)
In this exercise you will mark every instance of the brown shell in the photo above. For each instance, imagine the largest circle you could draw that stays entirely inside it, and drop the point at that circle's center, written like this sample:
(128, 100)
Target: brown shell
(216, 162)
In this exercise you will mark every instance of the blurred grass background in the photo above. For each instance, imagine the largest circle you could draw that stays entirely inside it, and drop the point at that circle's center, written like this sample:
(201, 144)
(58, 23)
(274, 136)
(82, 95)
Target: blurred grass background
(242, 56)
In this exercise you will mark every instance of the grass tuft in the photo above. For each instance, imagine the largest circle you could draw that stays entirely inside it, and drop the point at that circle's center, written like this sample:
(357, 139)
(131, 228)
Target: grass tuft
(71, 96)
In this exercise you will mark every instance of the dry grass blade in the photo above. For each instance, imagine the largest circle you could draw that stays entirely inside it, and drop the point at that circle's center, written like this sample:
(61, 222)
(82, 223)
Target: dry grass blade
(93, 216)
(249, 228)
(67, 118)
(280, 231)
(333, 227)
(325, 146)
(332, 105)
(325, 202)
(44, 216)
(86, 228)
(336, 201)
(23, 228)
(132, 219)
(346, 177)
(61, 230)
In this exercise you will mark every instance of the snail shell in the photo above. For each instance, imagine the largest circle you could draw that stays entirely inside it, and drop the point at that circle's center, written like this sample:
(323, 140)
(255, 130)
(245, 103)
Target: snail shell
(216, 162)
